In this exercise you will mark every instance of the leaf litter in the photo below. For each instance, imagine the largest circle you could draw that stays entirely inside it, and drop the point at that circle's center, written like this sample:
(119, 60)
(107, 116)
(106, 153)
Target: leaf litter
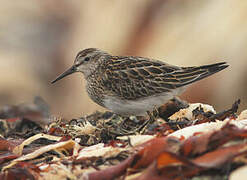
(186, 141)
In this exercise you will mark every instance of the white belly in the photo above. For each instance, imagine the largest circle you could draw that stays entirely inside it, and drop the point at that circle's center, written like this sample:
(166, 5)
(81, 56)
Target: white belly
(137, 107)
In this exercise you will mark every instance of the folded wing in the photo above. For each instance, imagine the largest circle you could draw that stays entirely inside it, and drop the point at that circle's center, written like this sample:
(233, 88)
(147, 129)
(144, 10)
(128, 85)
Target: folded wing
(136, 77)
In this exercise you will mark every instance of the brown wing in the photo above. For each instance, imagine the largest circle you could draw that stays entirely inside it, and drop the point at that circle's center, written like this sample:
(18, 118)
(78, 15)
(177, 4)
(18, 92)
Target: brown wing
(135, 77)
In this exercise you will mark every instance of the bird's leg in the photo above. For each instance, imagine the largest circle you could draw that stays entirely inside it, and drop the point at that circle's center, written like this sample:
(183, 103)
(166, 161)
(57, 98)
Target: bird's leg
(155, 112)
(123, 121)
(139, 130)
(152, 116)
(121, 130)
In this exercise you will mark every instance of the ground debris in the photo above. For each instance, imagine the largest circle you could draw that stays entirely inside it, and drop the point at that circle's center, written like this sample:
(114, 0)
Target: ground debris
(192, 141)
(200, 113)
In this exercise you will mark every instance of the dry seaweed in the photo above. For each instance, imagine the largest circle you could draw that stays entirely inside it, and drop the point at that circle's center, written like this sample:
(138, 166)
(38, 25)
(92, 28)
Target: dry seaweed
(190, 142)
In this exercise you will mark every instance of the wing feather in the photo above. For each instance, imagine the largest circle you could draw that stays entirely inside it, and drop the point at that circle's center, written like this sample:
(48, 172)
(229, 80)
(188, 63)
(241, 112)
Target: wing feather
(131, 77)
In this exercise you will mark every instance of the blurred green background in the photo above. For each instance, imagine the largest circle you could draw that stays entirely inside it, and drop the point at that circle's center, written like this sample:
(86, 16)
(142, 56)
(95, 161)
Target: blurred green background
(39, 40)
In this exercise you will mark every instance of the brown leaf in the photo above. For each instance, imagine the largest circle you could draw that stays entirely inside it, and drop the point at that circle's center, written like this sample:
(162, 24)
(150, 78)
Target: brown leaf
(198, 144)
(219, 157)
(111, 172)
(151, 149)
(170, 166)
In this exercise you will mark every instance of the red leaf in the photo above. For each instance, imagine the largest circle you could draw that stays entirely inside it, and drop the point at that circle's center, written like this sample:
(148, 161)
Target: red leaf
(219, 157)
(151, 149)
(111, 172)
(169, 166)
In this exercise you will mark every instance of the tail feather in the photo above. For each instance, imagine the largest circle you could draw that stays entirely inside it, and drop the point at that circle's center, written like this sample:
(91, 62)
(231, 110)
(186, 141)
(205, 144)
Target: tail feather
(189, 75)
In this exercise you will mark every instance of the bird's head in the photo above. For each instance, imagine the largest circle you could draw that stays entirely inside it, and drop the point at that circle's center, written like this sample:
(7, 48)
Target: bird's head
(86, 62)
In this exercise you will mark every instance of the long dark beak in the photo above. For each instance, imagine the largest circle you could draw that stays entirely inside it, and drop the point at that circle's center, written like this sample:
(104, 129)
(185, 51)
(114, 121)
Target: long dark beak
(66, 73)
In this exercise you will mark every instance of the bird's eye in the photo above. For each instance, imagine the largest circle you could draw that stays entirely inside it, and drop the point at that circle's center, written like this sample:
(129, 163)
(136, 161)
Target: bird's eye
(86, 59)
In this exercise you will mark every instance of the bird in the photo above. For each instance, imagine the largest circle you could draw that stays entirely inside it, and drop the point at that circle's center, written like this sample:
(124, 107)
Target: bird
(133, 85)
